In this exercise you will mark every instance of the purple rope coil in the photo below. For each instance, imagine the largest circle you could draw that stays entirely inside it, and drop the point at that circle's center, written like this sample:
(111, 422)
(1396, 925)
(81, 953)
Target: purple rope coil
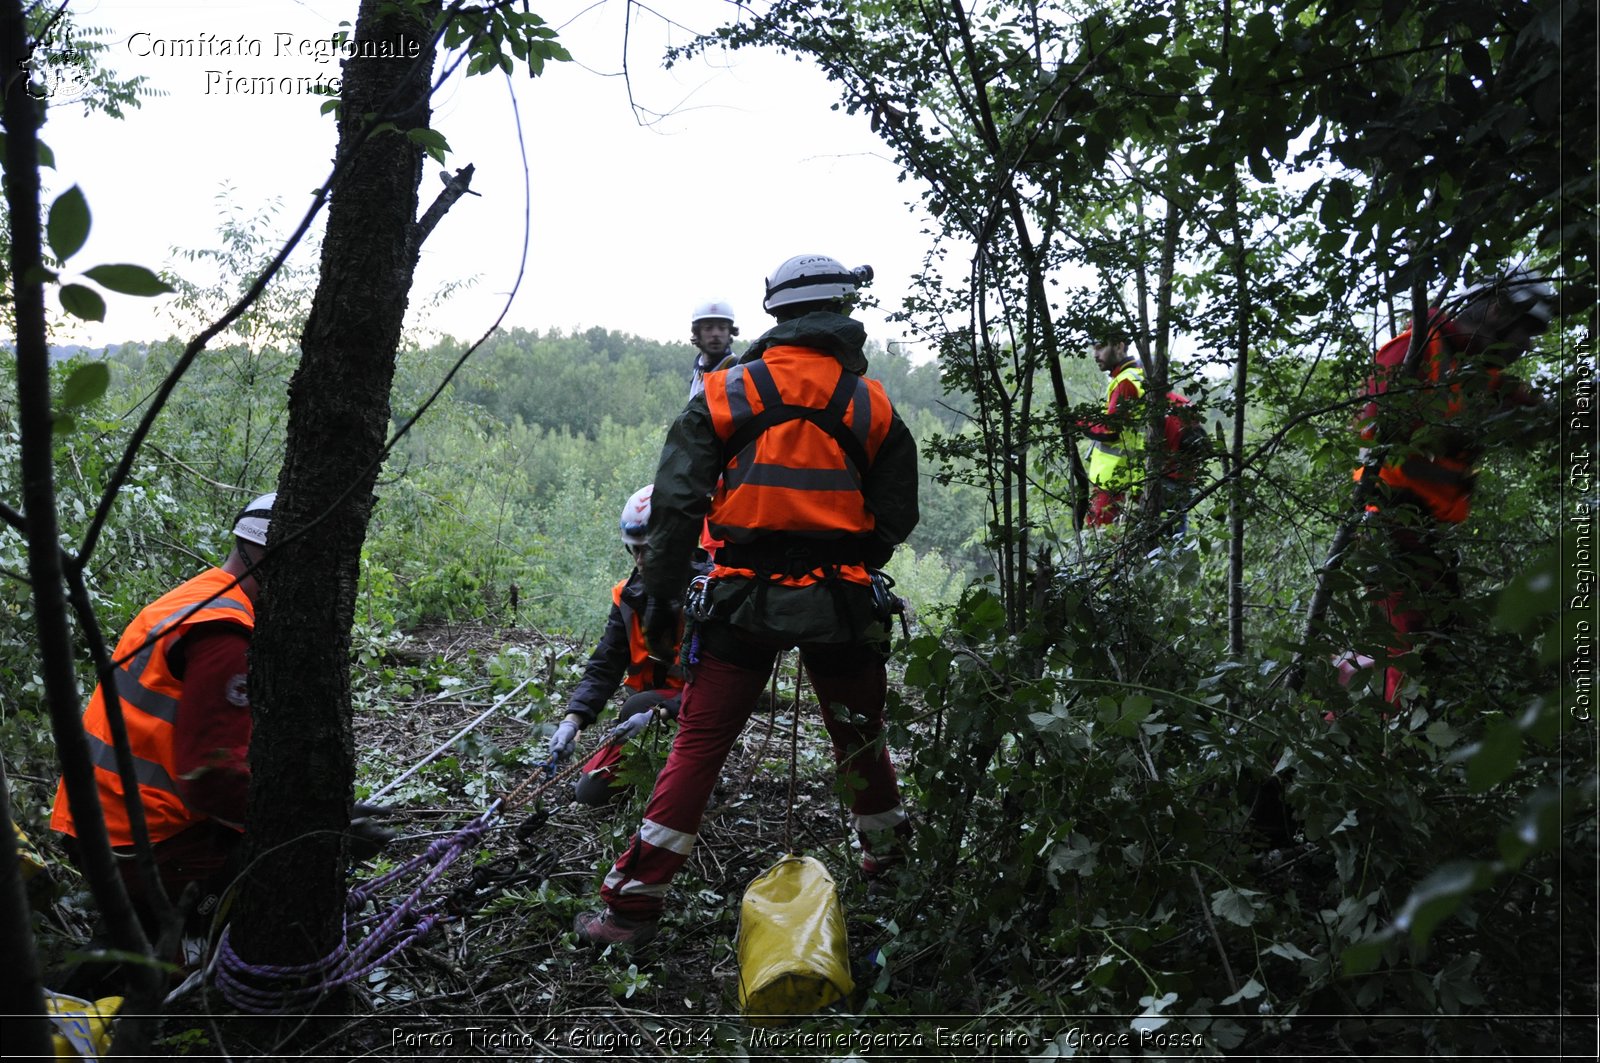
(297, 986)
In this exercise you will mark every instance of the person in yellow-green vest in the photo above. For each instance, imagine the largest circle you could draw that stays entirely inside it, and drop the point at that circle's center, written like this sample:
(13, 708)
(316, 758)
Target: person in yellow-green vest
(1116, 451)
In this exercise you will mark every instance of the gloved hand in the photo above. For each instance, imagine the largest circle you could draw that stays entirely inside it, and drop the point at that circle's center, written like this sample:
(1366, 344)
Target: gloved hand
(367, 839)
(661, 629)
(562, 742)
(632, 726)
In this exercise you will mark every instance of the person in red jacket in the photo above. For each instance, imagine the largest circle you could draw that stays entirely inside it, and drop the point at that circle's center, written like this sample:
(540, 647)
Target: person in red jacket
(1430, 421)
(182, 676)
(1116, 447)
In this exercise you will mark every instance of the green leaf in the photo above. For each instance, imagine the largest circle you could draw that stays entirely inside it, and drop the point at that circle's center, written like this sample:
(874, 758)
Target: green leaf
(1046, 722)
(128, 279)
(1439, 895)
(1537, 827)
(1441, 734)
(1492, 760)
(1363, 956)
(86, 384)
(1226, 1034)
(431, 140)
(1104, 971)
(1288, 950)
(68, 227)
(1475, 57)
(1249, 991)
(1234, 905)
(1535, 592)
(1260, 167)
(81, 301)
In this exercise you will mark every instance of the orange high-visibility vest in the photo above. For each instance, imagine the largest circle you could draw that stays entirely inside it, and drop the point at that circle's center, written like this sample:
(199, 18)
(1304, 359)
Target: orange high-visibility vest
(800, 433)
(1441, 481)
(644, 672)
(149, 694)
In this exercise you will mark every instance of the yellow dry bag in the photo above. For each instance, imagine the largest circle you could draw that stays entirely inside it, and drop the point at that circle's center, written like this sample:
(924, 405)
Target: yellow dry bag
(794, 958)
(82, 1027)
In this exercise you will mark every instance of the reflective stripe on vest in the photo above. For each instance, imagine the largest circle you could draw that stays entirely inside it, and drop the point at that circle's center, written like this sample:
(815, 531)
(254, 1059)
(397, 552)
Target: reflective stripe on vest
(148, 772)
(1119, 464)
(1115, 452)
(1442, 482)
(149, 694)
(795, 476)
(644, 672)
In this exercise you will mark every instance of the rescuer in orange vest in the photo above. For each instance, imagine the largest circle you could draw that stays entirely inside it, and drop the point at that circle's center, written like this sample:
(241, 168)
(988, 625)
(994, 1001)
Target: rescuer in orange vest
(182, 680)
(182, 674)
(1432, 423)
(620, 658)
(809, 479)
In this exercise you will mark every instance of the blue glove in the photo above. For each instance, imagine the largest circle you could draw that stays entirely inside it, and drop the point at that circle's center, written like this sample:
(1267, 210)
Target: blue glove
(632, 726)
(562, 742)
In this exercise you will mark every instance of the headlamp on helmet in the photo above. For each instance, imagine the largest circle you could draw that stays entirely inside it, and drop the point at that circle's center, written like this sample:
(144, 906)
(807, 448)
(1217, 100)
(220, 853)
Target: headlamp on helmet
(635, 521)
(813, 279)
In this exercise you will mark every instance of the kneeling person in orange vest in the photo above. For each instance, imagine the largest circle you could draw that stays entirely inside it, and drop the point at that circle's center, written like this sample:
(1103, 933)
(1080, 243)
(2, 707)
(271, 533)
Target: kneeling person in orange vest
(182, 681)
(621, 658)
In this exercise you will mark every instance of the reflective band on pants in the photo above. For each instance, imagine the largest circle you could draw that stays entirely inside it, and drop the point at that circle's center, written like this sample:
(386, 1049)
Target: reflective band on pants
(716, 705)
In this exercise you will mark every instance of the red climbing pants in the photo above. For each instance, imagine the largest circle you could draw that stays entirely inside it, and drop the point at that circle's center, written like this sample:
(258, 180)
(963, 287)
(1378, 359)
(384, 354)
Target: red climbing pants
(717, 702)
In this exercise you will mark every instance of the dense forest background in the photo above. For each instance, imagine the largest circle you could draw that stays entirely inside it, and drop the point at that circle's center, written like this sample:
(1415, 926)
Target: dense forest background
(1142, 793)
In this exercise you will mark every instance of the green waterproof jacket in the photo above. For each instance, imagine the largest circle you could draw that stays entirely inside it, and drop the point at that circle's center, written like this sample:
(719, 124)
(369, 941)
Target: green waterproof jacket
(691, 463)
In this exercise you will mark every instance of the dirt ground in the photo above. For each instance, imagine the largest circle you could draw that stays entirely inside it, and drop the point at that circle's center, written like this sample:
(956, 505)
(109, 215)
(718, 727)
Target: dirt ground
(503, 976)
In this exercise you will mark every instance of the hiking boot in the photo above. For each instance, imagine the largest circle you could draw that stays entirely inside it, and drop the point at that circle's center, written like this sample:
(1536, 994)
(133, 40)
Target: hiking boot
(893, 850)
(876, 865)
(606, 927)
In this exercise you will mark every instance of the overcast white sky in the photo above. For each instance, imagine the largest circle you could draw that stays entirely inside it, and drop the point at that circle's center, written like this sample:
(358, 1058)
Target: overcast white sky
(631, 226)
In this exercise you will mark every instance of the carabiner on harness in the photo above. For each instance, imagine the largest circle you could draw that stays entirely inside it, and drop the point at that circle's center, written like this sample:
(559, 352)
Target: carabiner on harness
(886, 605)
(696, 604)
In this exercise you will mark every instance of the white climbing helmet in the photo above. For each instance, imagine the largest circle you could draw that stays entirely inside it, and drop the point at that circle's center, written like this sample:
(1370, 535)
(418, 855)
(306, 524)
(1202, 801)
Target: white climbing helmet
(714, 310)
(813, 279)
(636, 517)
(252, 523)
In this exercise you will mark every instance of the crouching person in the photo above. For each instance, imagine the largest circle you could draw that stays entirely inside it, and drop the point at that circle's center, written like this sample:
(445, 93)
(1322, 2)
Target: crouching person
(620, 659)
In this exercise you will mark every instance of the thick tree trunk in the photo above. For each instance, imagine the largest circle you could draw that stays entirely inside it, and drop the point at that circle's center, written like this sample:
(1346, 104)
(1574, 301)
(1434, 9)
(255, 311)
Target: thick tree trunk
(290, 909)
